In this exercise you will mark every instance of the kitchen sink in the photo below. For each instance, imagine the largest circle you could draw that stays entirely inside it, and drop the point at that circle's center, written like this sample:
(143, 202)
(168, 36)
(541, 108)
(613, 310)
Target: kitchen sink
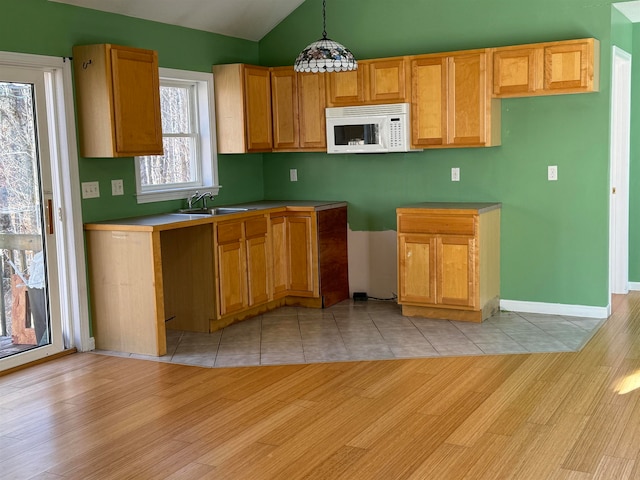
(213, 211)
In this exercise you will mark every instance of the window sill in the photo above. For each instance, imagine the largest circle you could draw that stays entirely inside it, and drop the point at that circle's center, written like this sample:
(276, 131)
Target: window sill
(174, 194)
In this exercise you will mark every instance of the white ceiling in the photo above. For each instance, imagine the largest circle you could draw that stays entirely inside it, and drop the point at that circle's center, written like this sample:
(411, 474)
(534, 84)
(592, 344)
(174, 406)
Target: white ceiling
(631, 10)
(248, 19)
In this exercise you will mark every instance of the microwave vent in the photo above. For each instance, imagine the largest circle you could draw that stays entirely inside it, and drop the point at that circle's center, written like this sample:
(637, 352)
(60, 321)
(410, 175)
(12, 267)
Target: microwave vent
(368, 110)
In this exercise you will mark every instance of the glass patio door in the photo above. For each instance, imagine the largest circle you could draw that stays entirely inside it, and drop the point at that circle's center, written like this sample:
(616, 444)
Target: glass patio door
(30, 325)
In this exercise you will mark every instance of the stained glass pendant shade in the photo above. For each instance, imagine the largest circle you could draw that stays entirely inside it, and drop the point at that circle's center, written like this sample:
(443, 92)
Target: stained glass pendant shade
(325, 55)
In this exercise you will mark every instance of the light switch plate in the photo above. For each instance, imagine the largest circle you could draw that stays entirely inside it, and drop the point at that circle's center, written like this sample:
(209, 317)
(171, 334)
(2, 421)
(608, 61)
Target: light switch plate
(293, 174)
(90, 189)
(455, 174)
(117, 187)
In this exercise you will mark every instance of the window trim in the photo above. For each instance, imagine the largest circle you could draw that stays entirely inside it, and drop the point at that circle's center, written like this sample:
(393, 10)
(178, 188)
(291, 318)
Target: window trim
(205, 114)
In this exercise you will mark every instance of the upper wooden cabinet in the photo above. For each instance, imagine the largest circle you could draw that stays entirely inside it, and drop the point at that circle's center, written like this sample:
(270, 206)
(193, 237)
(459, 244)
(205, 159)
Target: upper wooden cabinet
(550, 68)
(243, 108)
(118, 101)
(377, 81)
(451, 104)
(298, 102)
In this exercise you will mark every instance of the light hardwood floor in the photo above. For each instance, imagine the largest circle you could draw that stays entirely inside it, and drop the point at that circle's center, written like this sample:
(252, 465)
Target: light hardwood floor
(569, 415)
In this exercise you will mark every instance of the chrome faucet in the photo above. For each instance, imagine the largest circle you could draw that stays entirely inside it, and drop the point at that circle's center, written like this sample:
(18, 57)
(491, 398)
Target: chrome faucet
(196, 197)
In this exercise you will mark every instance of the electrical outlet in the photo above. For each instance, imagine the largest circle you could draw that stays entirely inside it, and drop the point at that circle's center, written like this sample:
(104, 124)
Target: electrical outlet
(117, 187)
(552, 172)
(455, 174)
(293, 174)
(90, 189)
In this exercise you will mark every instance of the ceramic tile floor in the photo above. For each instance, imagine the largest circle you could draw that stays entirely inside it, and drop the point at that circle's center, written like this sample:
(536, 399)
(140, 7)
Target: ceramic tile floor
(370, 330)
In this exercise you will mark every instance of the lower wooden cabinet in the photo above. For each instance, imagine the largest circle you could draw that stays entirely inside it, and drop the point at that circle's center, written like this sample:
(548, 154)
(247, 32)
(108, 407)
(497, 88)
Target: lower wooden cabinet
(242, 273)
(449, 260)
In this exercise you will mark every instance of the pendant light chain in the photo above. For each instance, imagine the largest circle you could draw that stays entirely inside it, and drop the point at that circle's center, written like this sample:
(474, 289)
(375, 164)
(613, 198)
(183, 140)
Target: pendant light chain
(324, 19)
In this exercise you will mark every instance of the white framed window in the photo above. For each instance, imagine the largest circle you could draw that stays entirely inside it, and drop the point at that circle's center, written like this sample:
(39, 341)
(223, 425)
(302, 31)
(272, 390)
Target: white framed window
(189, 162)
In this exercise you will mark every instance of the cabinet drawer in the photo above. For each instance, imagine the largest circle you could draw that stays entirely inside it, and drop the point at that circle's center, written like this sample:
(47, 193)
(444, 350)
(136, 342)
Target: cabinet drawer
(437, 224)
(229, 232)
(256, 227)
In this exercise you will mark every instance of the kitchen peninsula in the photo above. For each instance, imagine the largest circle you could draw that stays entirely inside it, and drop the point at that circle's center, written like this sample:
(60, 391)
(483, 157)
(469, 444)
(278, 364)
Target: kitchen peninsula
(204, 272)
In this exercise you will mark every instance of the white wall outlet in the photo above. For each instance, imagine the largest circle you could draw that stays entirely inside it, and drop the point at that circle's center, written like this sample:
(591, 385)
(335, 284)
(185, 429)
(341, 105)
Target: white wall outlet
(293, 174)
(552, 172)
(117, 187)
(90, 189)
(455, 174)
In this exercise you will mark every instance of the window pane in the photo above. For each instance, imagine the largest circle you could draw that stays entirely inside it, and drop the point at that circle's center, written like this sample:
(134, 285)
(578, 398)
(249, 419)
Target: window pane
(175, 104)
(177, 165)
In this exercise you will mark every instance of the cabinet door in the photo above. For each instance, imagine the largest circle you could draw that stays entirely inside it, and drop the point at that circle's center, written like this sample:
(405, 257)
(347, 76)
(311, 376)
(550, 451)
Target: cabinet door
(417, 269)
(300, 255)
(136, 97)
(467, 99)
(517, 72)
(233, 278)
(569, 66)
(231, 267)
(311, 105)
(387, 81)
(284, 98)
(257, 250)
(456, 280)
(279, 256)
(428, 101)
(345, 88)
(257, 87)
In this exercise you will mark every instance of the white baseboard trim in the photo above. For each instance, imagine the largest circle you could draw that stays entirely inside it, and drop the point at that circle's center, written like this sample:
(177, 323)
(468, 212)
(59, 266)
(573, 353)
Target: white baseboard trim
(634, 285)
(555, 309)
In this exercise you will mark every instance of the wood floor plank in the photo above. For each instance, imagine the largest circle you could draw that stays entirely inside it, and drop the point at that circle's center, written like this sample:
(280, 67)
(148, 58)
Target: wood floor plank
(562, 416)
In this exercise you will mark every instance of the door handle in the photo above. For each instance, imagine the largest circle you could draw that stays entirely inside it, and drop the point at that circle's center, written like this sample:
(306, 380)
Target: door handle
(49, 215)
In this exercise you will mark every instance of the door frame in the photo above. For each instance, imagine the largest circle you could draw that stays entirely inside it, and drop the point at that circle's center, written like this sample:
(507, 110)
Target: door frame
(619, 156)
(73, 292)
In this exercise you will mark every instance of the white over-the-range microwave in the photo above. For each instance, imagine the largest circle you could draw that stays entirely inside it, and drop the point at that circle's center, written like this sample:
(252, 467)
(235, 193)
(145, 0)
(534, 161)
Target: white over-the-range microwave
(368, 128)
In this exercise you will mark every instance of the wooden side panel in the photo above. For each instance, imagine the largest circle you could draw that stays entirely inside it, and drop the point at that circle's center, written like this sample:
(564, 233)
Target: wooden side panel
(187, 270)
(284, 98)
(346, 88)
(457, 259)
(467, 102)
(136, 95)
(387, 81)
(123, 292)
(94, 97)
(417, 269)
(489, 251)
(428, 101)
(311, 104)
(230, 109)
(257, 86)
(333, 255)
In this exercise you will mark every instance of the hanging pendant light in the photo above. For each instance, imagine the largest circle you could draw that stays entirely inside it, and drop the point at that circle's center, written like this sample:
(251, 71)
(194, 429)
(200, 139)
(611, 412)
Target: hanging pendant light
(325, 55)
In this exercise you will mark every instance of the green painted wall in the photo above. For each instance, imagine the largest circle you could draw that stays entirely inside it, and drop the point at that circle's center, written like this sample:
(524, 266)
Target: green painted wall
(554, 234)
(48, 28)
